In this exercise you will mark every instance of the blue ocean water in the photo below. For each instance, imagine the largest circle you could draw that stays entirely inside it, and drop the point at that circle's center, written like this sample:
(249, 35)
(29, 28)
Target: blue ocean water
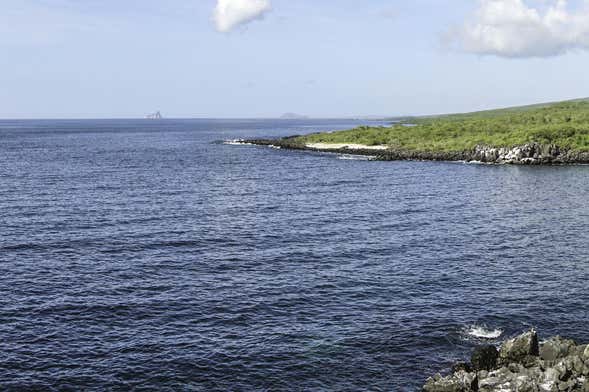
(148, 255)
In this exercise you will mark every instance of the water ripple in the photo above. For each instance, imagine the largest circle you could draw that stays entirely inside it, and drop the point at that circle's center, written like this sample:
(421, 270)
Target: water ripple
(137, 255)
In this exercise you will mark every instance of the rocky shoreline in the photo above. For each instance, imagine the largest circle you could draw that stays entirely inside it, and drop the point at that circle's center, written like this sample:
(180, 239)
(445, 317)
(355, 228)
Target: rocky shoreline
(521, 364)
(527, 154)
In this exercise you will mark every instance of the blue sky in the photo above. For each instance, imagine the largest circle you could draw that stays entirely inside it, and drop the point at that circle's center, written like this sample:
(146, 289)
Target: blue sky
(323, 58)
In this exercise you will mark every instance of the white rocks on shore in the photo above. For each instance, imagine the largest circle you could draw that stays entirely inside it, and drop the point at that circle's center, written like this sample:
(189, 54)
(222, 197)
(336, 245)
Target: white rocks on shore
(527, 154)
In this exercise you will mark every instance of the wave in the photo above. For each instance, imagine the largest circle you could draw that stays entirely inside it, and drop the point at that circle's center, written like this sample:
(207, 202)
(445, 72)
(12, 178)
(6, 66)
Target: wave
(483, 332)
(355, 157)
(477, 163)
(242, 142)
(236, 142)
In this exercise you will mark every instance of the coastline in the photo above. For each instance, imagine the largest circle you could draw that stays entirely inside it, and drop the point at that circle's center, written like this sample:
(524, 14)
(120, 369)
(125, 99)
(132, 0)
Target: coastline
(520, 364)
(527, 154)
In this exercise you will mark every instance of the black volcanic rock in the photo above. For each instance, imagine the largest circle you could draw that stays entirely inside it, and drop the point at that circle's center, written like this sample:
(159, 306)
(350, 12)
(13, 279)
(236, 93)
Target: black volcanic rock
(484, 358)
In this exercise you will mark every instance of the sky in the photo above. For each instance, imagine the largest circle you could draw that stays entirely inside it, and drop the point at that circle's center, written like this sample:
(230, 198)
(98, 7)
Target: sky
(262, 58)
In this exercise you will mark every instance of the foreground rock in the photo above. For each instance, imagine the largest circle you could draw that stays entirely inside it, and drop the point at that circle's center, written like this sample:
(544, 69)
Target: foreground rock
(521, 365)
(527, 154)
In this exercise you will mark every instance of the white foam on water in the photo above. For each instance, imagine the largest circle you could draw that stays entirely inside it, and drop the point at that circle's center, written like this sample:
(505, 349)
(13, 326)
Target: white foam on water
(355, 157)
(482, 332)
(477, 163)
(236, 142)
(241, 142)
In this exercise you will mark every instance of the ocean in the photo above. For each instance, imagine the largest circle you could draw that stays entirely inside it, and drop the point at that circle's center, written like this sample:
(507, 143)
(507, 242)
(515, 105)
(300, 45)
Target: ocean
(157, 255)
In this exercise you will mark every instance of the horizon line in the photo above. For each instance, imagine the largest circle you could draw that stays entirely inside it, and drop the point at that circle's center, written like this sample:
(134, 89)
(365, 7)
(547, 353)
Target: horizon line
(303, 117)
(369, 118)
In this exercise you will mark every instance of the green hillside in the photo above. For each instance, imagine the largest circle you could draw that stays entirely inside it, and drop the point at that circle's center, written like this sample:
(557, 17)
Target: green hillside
(565, 124)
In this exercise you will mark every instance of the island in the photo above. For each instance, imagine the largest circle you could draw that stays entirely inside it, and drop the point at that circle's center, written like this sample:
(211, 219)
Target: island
(293, 116)
(154, 116)
(551, 133)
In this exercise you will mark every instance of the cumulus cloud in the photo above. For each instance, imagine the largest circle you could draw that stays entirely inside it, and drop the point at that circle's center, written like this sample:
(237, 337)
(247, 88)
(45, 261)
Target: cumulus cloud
(512, 28)
(229, 14)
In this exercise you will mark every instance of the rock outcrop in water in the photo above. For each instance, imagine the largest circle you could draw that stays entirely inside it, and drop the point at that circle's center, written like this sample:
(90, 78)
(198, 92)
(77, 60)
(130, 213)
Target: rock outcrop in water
(527, 154)
(520, 365)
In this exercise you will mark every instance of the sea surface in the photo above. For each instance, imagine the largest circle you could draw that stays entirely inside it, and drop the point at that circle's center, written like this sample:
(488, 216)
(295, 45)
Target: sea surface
(150, 255)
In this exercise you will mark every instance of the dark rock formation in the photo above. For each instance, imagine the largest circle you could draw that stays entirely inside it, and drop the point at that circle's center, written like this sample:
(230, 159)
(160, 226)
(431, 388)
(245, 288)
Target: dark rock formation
(484, 358)
(462, 366)
(521, 365)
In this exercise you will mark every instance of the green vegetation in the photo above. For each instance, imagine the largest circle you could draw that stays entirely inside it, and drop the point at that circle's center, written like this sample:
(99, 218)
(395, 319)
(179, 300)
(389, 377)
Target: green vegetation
(565, 124)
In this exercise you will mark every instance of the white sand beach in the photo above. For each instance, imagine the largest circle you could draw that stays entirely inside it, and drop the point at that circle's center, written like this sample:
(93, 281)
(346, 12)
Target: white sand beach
(338, 146)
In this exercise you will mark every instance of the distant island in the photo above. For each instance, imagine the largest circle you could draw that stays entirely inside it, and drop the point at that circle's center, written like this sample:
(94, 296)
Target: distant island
(551, 133)
(154, 116)
(293, 116)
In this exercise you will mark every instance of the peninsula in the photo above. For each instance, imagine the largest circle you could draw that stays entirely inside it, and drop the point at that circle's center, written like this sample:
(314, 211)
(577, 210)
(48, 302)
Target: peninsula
(552, 133)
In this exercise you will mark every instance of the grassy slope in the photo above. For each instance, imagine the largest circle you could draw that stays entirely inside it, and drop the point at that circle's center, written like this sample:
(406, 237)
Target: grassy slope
(564, 123)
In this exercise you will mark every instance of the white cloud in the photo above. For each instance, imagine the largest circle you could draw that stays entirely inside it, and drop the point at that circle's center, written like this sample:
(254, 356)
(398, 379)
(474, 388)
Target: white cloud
(512, 28)
(229, 14)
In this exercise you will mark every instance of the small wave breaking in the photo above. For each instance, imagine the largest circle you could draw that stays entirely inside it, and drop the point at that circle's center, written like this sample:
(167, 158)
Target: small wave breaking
(349, 157)
(483, 332)
(236, 142)
(242, 142)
